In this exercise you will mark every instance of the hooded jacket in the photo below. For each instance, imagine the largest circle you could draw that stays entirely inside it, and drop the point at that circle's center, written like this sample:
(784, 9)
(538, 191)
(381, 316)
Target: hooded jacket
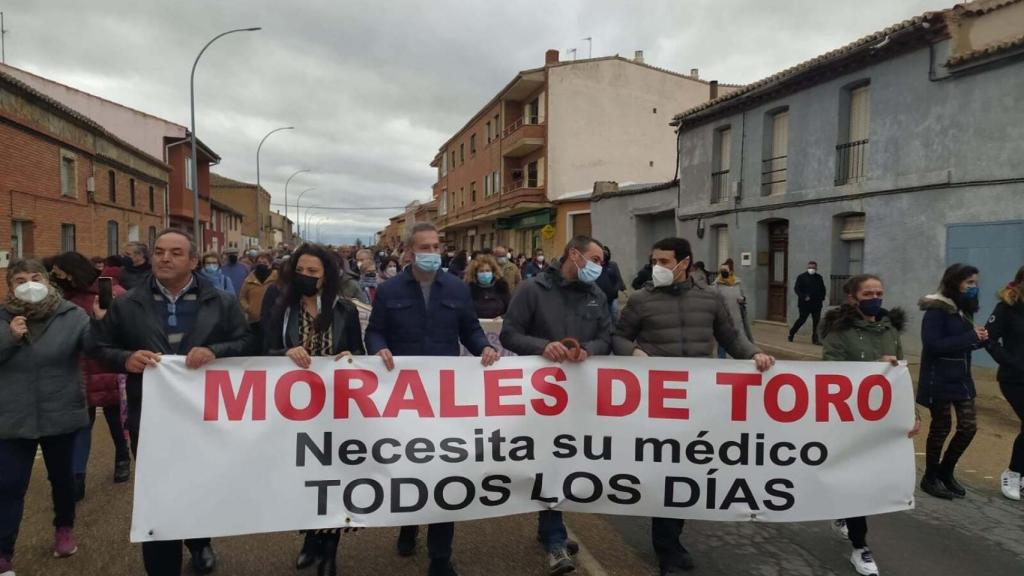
(847, 337)
(1006, 336)
(682, 320)
(947, 340)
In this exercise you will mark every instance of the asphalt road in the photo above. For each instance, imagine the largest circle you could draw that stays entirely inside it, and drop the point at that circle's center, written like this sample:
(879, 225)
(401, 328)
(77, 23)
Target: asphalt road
(983, 534)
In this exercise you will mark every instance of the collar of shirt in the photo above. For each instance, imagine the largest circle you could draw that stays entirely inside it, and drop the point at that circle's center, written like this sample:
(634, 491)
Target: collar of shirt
(172, 297)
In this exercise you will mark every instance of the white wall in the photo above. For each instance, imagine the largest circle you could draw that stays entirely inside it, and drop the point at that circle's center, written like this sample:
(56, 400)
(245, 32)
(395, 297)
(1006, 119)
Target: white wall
(602, 124)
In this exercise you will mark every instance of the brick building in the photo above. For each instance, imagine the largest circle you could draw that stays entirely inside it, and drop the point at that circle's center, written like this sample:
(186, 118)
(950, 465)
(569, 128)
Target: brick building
(224, 228)
(241, 197)
(521, 170)
(155, 136)
(68, 183)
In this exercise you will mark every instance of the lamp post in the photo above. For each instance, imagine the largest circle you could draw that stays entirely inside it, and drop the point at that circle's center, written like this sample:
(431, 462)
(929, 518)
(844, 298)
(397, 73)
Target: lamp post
(196, 230)
(305, 223)
(298, 211)
(259, 214)
(286, 182)
(318, 224)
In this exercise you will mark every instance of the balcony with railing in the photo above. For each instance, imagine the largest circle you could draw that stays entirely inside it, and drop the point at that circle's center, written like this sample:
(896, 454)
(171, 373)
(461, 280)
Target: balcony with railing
(719, 186)
(851, 162)
(773, 175)
(522, 137)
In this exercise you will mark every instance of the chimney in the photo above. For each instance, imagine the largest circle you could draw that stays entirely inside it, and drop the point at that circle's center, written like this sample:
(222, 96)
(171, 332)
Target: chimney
(638, 56)
(551, 57)
(605, 187)
(694, 73)
(714, 90)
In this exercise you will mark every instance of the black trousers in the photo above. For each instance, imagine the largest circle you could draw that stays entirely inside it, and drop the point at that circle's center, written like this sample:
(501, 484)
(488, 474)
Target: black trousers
(112, 414)
(858, 529)
(815, 314)
(133, 393)
(665, 534)
(164, 558)
(1014, 394)
(16, 459)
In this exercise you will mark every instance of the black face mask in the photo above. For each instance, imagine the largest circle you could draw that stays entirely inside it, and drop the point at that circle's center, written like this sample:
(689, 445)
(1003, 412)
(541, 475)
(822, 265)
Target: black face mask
(262, 271)
(306, 285)
(233, 258)
(64, 284)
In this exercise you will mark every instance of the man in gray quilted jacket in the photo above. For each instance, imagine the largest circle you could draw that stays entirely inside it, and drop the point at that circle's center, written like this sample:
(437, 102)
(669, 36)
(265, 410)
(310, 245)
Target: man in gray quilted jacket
(675, 316)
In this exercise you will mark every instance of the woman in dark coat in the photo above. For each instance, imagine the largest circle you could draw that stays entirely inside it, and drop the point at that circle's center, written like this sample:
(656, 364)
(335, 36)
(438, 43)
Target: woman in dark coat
(491, 294)
(1006, 344)
(310, 319)
(948, 337)
(78, 280)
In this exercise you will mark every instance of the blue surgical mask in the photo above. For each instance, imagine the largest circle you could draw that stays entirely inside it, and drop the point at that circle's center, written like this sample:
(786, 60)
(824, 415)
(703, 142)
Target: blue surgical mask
(870, 307)
(484, 278)
(428, 262)
(971, 293)
(590, 272)
(211, 268)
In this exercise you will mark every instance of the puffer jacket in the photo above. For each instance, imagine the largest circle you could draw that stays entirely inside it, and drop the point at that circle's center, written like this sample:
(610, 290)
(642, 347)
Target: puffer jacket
(547, 308)
(947, 340)
(682, 320)
(41, 391)
(102, 386)
(847, 337)
(1006, 337)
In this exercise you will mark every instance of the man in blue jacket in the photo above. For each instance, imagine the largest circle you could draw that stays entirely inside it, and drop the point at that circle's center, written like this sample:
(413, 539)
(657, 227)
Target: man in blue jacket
(423, 313)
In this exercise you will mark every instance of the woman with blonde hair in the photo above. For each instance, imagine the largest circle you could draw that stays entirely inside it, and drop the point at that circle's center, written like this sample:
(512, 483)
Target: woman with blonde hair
(1006, 345)
(490, 293)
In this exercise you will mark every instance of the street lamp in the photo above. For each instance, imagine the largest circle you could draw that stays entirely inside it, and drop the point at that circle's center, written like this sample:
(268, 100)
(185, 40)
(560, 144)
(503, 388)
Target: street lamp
(305, 223)
(286, 182)
(298, 211)
(318, 224)
(259, 216)
(196, 230)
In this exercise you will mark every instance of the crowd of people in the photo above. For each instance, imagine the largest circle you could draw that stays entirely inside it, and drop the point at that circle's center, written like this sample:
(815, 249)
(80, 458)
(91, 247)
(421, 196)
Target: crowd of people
(66, 351)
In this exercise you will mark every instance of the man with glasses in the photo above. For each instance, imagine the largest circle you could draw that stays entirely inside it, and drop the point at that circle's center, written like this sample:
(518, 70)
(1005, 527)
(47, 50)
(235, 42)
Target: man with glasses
(173, 312)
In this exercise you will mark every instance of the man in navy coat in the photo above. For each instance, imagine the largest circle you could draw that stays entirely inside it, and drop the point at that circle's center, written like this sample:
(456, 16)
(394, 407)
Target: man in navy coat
(423, 313)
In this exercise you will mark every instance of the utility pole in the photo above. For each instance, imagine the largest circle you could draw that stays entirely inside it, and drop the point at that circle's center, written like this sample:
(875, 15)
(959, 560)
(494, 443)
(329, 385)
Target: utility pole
(3, 40)
(590, 47)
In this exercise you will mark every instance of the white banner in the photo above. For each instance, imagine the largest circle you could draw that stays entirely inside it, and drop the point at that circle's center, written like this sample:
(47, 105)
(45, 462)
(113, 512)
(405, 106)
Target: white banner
(254, 445)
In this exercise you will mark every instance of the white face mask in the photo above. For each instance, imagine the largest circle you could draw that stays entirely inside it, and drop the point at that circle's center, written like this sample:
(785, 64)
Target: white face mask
(31, 292)
(812, 271)
(662, 276)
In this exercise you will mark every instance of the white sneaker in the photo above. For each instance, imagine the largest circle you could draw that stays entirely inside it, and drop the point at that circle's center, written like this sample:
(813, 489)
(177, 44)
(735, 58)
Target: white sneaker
(864, 562)
(839, 527)
(1011, 484)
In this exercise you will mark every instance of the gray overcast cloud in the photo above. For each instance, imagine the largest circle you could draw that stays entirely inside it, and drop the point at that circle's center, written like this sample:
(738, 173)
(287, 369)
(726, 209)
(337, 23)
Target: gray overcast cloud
(374, 88)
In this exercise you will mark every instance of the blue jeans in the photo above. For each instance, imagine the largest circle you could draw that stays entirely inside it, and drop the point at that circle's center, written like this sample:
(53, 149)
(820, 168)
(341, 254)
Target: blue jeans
(551, 530)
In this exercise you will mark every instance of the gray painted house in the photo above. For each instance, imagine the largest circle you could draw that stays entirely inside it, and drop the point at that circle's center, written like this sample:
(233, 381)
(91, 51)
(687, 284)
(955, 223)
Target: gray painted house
(898, 154)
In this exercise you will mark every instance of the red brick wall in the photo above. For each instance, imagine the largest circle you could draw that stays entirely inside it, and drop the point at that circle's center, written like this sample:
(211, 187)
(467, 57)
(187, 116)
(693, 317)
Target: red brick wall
(30, 191)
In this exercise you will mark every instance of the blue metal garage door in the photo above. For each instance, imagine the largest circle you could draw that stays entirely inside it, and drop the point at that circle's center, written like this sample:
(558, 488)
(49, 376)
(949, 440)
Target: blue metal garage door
(997, 249)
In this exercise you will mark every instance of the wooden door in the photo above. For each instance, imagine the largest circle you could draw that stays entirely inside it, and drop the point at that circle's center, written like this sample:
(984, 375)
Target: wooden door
(778, 270)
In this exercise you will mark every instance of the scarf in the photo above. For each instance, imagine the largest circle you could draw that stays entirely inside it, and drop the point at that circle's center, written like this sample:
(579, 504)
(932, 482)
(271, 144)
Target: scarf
(731, 280)
(38, 311)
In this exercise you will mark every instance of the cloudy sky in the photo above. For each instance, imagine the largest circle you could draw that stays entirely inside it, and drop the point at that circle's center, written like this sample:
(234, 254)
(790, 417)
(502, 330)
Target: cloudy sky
(373, 88)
